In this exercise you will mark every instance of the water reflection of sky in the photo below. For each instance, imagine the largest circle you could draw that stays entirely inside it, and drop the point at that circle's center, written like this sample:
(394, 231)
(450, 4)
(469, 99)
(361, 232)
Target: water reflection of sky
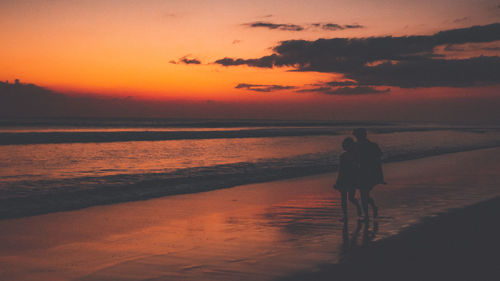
(56, 161)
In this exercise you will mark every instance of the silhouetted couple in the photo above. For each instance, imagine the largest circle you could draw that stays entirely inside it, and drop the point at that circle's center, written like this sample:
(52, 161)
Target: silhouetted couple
(360, 168)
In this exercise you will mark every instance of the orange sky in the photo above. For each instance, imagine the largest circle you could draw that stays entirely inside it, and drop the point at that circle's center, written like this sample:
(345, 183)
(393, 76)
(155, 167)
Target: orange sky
(123, 47)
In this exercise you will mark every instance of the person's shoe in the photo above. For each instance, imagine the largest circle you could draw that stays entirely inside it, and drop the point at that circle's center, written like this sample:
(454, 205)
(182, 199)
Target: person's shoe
(375, 211)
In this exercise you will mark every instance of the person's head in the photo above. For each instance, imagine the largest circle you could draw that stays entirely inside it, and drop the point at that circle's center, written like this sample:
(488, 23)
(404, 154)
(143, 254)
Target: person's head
(348, 144)
(359, 133)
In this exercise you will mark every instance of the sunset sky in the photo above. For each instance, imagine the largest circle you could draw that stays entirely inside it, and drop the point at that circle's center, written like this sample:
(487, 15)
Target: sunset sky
(240, 53)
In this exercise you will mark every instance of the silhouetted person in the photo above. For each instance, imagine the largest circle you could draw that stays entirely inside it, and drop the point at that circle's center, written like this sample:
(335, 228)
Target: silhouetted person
(348, 175)
(368, 156)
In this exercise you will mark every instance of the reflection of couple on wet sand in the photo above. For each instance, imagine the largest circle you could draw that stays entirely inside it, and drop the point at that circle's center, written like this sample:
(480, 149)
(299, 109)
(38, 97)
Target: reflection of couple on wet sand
(360, 167)
(350, 244)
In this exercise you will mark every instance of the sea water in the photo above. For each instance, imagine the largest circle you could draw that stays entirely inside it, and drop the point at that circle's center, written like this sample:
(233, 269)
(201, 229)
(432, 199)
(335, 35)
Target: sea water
(52, 165)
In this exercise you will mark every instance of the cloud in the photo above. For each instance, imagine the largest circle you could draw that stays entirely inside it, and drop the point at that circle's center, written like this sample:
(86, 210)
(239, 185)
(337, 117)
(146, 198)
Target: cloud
(345, 91)
(472, 48)
(461, 20)
(279, 26)
(296, 27)
(334, 26)
(478, 71)
(236, 41)
(266, 61)
(342, 83)
(191, 61)
(331, 26)
(351, 26)
(186, 60)
(264, 88)
(454, 48)
(406, 61)
(491, 48)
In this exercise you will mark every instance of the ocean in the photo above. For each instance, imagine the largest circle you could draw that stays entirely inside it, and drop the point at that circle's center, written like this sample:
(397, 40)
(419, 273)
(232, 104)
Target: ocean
(49, 165)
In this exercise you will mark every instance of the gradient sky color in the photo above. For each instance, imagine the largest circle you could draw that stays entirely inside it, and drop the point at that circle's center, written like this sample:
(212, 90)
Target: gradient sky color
(133, 48)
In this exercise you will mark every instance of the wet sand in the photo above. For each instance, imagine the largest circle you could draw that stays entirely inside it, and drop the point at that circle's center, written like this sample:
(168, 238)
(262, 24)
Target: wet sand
(265, 231)
(460, 245)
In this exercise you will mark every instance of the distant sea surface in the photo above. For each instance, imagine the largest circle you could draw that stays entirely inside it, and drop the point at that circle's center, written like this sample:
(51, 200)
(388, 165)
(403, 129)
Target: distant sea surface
(49, 165)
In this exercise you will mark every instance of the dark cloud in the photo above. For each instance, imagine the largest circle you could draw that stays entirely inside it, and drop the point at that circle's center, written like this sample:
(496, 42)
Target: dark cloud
(236, 41)
(351, 26)
(406, 61)
(345, 91)
(491, 48)
(320, 89)
(266, 61)
(359, 90)
(28, 100)
(35, 103)
(474, 34)
(478, 71)
(342, 83)
(461, 20)
(186, 60)
(190, 61)
(295, 27)
(494, 46)
(263, 88)
(334, 26)
(331, 26)
(454, 48)
(279, 26)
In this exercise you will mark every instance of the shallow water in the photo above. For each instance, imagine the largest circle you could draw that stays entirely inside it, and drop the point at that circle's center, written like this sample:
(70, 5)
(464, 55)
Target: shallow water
(34, 162)
(42, 178)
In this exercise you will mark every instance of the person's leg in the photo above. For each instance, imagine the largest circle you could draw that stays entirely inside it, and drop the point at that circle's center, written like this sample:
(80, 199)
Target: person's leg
(352, 198)
(343, 200)
(374, 207)
(365, 198)
(372, 203)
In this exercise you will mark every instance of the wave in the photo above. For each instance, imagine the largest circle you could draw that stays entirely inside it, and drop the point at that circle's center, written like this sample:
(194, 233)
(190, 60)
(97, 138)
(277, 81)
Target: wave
(57, 137)
(26, 198)
(175, 123)
(124, 136)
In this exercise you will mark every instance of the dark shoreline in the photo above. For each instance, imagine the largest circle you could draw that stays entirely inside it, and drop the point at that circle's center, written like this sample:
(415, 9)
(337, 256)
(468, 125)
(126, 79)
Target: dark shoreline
(462, 244)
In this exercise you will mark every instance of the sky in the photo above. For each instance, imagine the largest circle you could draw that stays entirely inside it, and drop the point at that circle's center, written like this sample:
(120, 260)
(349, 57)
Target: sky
(315, 59)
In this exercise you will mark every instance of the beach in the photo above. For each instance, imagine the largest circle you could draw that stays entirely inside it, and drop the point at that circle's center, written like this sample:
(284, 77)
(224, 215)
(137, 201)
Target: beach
(460, 245)
(218, 140)
(286, 229)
